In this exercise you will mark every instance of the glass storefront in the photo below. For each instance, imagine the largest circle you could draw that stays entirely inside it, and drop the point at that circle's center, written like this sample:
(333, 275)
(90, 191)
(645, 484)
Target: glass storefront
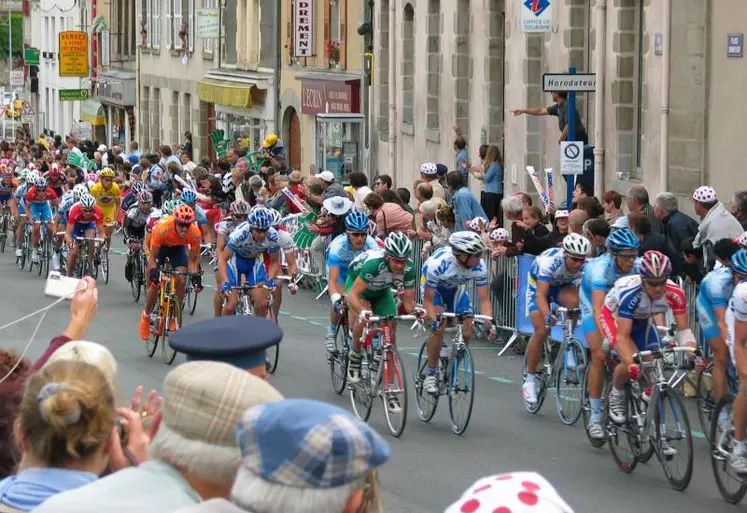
(339, 140)
(244, 130)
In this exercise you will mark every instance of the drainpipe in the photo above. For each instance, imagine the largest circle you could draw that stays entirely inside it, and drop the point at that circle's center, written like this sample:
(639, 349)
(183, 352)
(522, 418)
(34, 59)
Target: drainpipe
(392, 88)
(599, 65)
(665, 84)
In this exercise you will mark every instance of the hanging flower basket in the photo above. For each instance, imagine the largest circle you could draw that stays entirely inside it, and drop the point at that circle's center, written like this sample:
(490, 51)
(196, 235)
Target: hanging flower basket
(333, 53)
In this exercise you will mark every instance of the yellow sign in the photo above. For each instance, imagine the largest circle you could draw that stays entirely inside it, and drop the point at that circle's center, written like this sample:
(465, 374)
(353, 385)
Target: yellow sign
(73, 54)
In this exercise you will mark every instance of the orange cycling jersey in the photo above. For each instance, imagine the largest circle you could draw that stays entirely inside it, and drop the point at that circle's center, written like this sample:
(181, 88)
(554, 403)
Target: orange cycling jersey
(164, 234)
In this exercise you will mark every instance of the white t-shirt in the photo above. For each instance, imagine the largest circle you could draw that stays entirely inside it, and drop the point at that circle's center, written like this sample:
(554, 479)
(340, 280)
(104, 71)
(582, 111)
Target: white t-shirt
(359, 195)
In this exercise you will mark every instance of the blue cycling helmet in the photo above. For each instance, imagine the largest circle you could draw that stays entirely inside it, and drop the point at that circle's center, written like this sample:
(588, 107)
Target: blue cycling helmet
(621, 240)
(188, 196)
(739, 262)
(260, 218)
(357, 222)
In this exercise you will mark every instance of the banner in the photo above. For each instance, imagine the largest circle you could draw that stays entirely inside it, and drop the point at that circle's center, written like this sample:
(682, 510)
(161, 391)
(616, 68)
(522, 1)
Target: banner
(548, 184)
(303, 28)
(73, 54)
(538, 186)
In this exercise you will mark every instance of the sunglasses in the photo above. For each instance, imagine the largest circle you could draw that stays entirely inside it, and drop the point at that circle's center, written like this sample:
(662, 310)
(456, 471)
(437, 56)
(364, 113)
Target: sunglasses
(625, 257)
(358, 234)
(577, 259)
(265, 230)
(656, 284)
(183, 225)
(401, 261)
(87, 210)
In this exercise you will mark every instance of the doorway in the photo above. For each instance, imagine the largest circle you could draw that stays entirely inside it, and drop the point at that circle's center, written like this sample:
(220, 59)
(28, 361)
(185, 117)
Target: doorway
(294, 128)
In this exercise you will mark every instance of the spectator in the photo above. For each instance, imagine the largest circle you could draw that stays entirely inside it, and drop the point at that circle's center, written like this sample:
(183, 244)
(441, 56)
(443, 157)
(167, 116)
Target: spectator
(461, 156)
(440, 231)
(576, 220)
(389, 217)
(383, 183)
(493, 180)
(640, 224)
(739, 207)
(186, 162)
(526, 199)
(276, 442)
(597, 231)
(424, 192)
(296, 180)
(612, 203)
(276, 184)
(514, 210)
(580, 192)
(464, 202)
(330, 188)
(692, 267)
(404, 196)
(638, 202)
(429, 175)
(677, 227)
(194, 455)
(592, 207)
(716, 223)
(559, 109)
(536, 235)
(359, 182)
(329, 225)
(560, 228)
(441, 171)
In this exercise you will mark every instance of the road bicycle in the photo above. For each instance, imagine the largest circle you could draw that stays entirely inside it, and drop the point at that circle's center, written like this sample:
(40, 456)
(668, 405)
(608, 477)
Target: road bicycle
(656, 418)
(139, 264)
(43, 249)
(382, 374)
(731, 486)
(456, 376)
(338, 358)
(24, 245)
(705, 402)
(562, 364)
(5, 226)
(85, 265)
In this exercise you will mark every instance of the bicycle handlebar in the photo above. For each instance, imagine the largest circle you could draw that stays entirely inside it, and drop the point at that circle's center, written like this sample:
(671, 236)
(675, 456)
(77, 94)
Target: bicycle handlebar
(659, 353)
(481, 317)
(85, 239)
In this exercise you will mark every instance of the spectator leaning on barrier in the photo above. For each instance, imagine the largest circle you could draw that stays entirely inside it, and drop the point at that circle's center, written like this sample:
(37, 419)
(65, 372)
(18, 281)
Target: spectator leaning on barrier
(361, 189)
(466, 206)
(739, 207)
(692, 267)
(716, 223)
(514, 210)
(638, 201)
(560, 228)
(597, 231)
(640, 224)
(576, 220)
(389, 217)
(677, 227)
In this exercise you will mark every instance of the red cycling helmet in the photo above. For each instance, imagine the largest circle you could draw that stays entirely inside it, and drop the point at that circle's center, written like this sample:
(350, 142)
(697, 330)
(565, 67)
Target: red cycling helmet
(655, 264)
(184, 214)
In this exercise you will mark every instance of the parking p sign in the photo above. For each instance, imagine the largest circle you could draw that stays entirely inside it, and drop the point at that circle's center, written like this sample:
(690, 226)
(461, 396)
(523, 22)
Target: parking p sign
(572, 158)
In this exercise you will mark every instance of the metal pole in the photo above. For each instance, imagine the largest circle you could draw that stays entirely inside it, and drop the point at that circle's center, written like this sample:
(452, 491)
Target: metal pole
(571, 179)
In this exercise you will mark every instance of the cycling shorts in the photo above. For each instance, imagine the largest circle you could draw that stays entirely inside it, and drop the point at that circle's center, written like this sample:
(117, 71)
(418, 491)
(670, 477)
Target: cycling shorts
(21, 210)
(382, 301)
(5, 197)
(107, 212)
(447, 299)
(588, 321)
(531, 296)
(252, 268)
(80, 229)
(707, 319)
(641, 332)
(41, 211)
(177, 256)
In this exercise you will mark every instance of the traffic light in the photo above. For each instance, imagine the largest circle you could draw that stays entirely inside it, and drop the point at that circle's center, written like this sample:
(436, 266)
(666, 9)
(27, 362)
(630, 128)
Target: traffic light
(34, 79)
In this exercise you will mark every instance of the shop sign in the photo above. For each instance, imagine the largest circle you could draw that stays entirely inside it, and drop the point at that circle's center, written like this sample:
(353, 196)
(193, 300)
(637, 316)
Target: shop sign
(73, 54)
(303, 23)
(208, 23)
(31, 56)
(73, 95)
(326, 97)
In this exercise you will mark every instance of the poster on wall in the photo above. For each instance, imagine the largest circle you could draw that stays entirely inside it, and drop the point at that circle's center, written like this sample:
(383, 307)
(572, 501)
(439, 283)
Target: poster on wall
(303, 28)
(536, 15)
(208, 23)
(73, 54)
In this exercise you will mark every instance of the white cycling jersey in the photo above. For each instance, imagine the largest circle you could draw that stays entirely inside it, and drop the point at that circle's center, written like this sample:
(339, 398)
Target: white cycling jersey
(243, 244)
(442, 271)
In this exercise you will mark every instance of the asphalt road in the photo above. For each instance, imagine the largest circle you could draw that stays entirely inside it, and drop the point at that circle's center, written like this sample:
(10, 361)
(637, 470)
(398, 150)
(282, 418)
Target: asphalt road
(430, 466)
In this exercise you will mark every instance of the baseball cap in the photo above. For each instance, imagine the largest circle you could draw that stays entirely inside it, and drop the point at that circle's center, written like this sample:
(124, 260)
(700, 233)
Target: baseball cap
(327, 176)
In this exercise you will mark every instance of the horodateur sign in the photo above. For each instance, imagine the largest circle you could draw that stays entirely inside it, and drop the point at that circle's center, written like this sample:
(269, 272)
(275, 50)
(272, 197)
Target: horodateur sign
(582, 82)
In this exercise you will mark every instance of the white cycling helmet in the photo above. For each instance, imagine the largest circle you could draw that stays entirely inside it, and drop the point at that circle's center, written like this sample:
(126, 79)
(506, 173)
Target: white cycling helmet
(87, 202)
(467, 243)
(576, 245)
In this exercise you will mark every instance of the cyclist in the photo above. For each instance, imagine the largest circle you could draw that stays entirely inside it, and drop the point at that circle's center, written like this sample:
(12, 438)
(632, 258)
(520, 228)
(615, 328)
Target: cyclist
(170, 239)
(737, 321)
(441, 277)
(628, 307)
(84, 220)
(69, 199)
(242, 258)
(56, 179)
(24, 184)
(600, 275)
(552, 279)
(238, 210)
(131, 197)
(343, 249)
(713, 299)
(189, 198)
(371, 276)
(134, 225)
(273, 263)
(8, 186)
(108, 199)
(38, 199)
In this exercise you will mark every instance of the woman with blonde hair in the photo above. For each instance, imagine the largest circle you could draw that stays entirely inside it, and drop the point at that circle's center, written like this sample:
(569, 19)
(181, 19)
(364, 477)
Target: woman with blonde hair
(492, 177)
(67, 433)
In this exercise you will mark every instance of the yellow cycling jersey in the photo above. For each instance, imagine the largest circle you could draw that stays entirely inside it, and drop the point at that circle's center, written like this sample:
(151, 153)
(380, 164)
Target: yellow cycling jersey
(105, 197)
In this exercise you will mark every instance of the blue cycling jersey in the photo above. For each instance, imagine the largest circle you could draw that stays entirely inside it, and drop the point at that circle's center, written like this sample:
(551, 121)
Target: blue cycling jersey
(341, 253)
(243, 244)
(717, 287)
(550, 267)
(442, 271)
(601, 273)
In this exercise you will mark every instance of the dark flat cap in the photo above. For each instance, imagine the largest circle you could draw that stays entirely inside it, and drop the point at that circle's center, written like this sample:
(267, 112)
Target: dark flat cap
(239, 340)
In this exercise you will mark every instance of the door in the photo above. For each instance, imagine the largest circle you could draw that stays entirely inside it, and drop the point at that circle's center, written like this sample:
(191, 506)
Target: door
(294, 156)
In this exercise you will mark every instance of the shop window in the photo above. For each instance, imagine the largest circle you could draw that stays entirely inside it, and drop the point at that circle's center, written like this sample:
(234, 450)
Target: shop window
(244, 131)
(433, 64)
(230, 26)
(339, 143)
(207, 43)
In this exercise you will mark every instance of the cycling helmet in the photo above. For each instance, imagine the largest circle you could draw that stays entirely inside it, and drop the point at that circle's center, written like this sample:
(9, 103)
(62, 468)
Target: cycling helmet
(276, 217)
(260, 218)
(499, 235)
(227, 183)
(92, 177)
(169, 206)
(239, 208)
(742, 240)
(356, 222)
(372, 228)
(188, 196)
(183, 214)
(79, 190)
(397, 245)
(145, 197)
(576, 245)
(622, 240)
(107, 173)
(23, 175)
(655, 264)
(40, 182)
(7, 171)
(87, 202)
(739, 262)
(138, 186)
(467, 243)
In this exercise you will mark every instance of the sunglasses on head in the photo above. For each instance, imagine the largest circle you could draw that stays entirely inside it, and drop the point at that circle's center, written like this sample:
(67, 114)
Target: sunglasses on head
(655, 284)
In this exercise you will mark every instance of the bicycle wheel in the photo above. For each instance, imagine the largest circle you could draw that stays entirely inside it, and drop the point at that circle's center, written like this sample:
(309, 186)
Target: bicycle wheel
(175, 314)
(361, 393)
(105, 266)
(273, 352)
(152, 343)
(622, 438)
(426, 402)
(704, 400)
(540, 383)
(461, 388)
(338, 360)
(569, 381)
(731, 487)
(3, 233)
(394, 385)
(136, 281)
(673, 428)
(192, 300)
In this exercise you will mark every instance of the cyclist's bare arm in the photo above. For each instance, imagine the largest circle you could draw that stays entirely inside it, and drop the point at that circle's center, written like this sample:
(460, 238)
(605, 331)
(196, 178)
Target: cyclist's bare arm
(543, 291)
(624, 344)
(597, 302)
(408, 300)
(485, 306)
(354, 300)
(334, 287)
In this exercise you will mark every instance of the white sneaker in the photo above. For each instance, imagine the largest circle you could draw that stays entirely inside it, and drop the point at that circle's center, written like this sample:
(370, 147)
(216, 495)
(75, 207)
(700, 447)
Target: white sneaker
(616, 407)
(392, 403)
(738, 463)
(596, 431)
(430, 384)
(354, 367)
(55, 261)
(19, 252)
(35, 256)
(530, 392)
(329, 343)
(667, 450)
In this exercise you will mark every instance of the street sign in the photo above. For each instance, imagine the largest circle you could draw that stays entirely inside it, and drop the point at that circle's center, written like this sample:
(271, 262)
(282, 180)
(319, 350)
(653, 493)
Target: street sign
(735, 45)
(536, 16)
(16, 78)
(73, 95)
(27, 109)
(580, 82)
(572, 158)
(31, 56)
(73, 59)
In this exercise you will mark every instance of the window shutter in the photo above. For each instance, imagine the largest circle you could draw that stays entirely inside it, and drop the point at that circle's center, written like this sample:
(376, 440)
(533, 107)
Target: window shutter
(169, 15)
(177, 24)
(157, 24)
(192, 29)
(207, 43)
(150, 26)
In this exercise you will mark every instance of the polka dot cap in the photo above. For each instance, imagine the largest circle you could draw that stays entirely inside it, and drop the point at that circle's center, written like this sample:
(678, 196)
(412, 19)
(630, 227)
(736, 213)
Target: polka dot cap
(477, 224)
(429, 169)
(499, 234)
(742, 240)
(518, 492)
(704, 194)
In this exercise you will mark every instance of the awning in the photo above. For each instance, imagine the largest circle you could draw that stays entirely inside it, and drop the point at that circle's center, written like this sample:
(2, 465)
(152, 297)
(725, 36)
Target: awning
(93, 112)
(223, 92)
